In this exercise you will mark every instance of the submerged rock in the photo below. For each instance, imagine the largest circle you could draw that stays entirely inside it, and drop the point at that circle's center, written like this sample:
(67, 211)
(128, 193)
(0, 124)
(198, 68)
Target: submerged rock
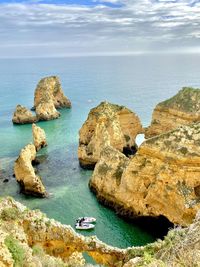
(49, 96)
(181, 109)
(29, 238)
(163, 178)
(107, 124)
(30, 183)
(39, 137)
(23, 115)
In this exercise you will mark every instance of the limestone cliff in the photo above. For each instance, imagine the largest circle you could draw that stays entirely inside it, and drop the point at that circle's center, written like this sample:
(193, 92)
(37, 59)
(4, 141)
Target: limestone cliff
(29, 238)
(181, 109)
(107, 124)
(22, 115)
(39, 137)
(163, 178)
(49, 96)
(25, 174)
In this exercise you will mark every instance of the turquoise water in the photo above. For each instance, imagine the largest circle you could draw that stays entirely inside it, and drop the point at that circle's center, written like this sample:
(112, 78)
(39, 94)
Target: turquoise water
(138, 82)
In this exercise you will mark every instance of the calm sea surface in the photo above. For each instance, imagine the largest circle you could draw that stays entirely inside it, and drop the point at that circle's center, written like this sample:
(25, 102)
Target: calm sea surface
(138, 82)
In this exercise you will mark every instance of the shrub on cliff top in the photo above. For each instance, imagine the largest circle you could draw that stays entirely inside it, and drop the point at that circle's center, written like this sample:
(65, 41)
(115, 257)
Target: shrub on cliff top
(16, 251)
(9, 214)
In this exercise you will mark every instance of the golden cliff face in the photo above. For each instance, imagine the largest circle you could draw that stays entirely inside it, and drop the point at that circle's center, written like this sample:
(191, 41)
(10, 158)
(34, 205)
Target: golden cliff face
(181, 109)
(107, 124)
(25, 174)
(49, 96)
(163, 178)
(39, 137)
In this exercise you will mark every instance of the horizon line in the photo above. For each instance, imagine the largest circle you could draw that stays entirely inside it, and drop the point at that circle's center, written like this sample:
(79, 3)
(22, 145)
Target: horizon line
(105, 54)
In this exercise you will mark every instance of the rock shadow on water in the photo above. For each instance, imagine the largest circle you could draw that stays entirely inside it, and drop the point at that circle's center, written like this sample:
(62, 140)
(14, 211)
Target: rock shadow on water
(158, 226)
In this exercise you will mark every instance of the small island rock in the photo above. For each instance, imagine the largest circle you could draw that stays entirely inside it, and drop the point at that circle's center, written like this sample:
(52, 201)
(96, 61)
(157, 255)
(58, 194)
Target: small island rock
(49, 96)
(39, 137)
(107, 124)
(25, 174)
(23, 115)
(181, 109)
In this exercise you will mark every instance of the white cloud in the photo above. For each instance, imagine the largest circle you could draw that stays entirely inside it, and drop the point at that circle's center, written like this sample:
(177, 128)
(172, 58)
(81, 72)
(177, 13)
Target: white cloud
(135, 26)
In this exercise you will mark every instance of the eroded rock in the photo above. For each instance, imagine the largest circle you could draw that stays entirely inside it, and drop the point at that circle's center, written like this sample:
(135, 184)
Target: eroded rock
(25, 174)
(40, 241)
(107, 124)
(181, 109)
(39, 137)
(163, 178)
(49, 96)
(23, 115)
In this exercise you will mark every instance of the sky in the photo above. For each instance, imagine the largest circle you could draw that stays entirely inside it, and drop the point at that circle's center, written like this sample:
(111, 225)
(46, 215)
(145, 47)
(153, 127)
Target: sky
(98, 27)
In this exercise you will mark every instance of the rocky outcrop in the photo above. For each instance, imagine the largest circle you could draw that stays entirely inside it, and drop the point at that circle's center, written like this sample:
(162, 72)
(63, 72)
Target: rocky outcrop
(22, 115)
(163, 178)
(33, 230)
(25, 174)
(39, 137)
(107, 124)
(29, 238)
(49, 96)
(181, 109)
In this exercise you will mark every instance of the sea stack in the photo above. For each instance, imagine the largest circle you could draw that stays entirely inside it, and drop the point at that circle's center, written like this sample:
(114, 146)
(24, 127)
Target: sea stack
(30, 183)
(181, 109)
(163, 178)
(49, 96)
(107, 124)
(39, 137)
(23, 115)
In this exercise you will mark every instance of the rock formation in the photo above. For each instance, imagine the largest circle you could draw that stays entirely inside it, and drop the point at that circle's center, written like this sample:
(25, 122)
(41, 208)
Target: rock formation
(29, 238)
(22, 115)
(25, 174)
(181, 109)
(49, 96)
(107, 124)
(163, 178)
(39, 137)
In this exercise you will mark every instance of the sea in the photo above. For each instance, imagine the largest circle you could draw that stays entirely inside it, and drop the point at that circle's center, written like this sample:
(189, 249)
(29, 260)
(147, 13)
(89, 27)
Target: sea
(138, 82)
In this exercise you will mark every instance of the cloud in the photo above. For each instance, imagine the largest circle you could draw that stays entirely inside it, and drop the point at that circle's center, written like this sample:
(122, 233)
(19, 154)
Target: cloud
(39, 28)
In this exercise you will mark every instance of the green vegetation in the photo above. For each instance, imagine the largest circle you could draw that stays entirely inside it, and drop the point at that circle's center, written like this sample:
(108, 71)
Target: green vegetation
(183, 150)
(184, 189)
(16, 250)
(103, 169)
(186, 100)
(38, 250)
(127, 138)
(10, 214)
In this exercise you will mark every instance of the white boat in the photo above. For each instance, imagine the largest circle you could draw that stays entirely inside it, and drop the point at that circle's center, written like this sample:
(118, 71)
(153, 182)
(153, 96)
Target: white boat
(84, 226)
(87, 219)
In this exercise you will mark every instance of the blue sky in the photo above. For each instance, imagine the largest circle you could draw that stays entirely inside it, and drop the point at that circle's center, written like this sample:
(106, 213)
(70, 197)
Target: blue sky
(67, 2)
(98, 27)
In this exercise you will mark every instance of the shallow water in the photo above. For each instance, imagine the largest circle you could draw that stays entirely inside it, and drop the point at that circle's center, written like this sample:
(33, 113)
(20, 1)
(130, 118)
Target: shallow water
(138, 82)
